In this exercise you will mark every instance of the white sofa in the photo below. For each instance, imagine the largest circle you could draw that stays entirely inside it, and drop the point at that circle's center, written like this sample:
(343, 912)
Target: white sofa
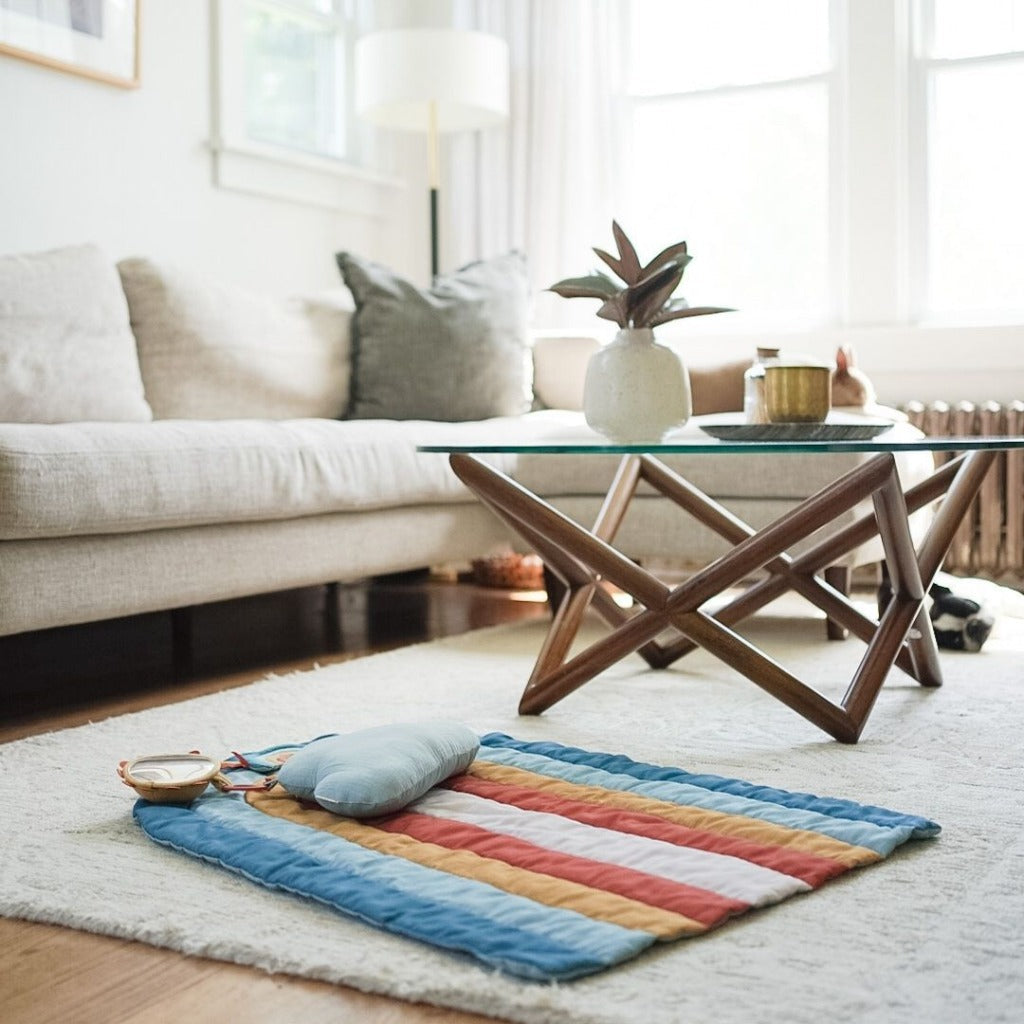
(201, 452)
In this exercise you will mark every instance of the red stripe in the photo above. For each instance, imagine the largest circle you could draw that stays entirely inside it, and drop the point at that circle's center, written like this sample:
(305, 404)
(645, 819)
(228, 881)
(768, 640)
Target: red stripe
(709, 908)
(807, 867)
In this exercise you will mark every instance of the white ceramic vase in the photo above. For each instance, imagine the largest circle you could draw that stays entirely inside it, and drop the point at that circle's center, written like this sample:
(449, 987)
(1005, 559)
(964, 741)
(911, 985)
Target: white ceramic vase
(635, 389)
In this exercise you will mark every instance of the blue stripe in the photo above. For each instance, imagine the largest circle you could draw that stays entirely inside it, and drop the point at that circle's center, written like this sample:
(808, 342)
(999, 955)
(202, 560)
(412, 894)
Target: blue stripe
(599, 939)
(854, 833)
(509, 932)
(921, 828)
(880, 839)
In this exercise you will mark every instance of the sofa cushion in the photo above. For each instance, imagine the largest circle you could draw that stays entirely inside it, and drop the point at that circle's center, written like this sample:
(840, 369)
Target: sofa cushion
(66, 348)
(456, 352)
(559, 368)
(96, 478)
(214, 351)
(787, 476)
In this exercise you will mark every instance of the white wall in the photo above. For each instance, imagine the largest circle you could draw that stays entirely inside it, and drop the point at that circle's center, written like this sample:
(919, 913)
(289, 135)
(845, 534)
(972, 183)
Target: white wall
(131, 170)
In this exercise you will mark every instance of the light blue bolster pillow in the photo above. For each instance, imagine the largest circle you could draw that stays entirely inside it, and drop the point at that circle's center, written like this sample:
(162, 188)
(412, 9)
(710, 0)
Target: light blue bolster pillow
(380, 770)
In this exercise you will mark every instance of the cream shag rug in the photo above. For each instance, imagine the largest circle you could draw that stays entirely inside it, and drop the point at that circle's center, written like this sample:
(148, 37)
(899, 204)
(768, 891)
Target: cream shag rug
(932, 934)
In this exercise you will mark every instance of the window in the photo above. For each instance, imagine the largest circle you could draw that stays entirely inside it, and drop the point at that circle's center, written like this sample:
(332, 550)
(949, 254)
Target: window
(283, 125)
(728, 112)
(831, 160)
(296, 59)
(971, 66)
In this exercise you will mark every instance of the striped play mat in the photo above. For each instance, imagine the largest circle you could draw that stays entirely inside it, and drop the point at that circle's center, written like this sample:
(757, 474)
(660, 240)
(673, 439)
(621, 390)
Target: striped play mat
(545, 861)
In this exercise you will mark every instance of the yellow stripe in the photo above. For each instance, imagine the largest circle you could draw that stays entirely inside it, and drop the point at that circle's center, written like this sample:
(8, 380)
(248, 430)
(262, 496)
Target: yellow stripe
(546, 889)
(737, 826)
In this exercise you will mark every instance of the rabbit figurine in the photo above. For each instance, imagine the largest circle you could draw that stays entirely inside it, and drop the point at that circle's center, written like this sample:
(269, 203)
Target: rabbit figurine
(850, 386)
(853, 392)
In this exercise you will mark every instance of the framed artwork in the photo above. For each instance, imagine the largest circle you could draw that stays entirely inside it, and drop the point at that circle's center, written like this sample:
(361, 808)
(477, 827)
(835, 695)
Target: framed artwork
(95, 38)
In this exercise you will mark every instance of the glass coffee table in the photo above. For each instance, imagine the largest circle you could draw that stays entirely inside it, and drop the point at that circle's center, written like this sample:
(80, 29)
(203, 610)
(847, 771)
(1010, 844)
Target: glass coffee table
(583, 559)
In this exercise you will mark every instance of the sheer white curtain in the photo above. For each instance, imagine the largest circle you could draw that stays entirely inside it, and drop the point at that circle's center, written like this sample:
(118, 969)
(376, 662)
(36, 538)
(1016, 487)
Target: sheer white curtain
(544, 182)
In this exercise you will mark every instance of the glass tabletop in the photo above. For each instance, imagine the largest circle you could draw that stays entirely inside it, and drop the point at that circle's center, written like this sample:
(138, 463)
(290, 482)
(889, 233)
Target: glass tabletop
(691, 445)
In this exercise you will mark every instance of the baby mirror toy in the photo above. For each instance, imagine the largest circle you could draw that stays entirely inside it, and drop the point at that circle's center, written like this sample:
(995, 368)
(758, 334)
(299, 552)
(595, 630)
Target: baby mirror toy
(181, 778)
(172, 778)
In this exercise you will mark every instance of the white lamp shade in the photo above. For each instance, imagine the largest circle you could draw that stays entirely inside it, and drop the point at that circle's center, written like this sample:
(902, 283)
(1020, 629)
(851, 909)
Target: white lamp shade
(400, 73)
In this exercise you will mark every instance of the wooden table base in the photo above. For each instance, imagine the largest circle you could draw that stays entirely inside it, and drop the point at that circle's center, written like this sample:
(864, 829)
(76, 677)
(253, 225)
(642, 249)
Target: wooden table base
(584, 559)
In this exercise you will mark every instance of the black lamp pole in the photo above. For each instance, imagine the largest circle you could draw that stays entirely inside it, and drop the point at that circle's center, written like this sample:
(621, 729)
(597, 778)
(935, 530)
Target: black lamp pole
(433, 173)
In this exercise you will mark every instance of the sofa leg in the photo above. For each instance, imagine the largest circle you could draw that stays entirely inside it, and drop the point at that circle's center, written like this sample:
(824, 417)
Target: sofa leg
(181, 642)
(839, 577)
(332, 617)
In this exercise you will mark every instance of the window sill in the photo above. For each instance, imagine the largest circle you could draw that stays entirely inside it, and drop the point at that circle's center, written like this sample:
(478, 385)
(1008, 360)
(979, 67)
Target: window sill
(277, 173)
(925, 362)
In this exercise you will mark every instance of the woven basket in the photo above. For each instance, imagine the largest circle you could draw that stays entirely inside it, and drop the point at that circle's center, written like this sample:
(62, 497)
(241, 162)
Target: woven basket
(509, 572)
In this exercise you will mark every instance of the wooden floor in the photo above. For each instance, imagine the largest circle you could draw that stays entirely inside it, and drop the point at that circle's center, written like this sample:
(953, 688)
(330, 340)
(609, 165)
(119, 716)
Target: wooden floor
(67, 677)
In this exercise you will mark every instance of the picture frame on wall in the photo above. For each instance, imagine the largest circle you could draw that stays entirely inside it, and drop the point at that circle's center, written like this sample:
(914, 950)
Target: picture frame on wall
(97, 39)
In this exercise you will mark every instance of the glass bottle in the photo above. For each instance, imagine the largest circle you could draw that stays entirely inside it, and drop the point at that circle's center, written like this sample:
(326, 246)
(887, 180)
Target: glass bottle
(753, 386)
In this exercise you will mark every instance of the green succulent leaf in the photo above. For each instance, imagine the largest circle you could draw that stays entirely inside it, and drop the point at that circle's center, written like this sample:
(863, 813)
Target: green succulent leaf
(678, 314)
(591, 286)
(615, 309)
(611, 261)
(676, 253)
(631, 269)
(644, 299)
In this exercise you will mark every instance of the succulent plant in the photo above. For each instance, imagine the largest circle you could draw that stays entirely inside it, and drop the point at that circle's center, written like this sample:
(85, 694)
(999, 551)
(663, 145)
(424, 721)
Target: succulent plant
(646, 298)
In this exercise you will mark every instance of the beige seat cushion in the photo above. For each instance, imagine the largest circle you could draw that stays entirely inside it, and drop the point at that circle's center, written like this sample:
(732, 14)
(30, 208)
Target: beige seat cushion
(216, 352)
(92, 478)
(787, 476)
(66, 348)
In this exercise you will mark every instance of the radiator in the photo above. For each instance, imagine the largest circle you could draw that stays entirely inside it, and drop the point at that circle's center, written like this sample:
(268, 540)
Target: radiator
(990, 541)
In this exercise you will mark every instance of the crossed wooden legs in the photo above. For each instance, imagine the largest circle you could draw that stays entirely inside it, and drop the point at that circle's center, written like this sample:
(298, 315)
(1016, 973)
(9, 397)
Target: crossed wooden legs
(584, 559)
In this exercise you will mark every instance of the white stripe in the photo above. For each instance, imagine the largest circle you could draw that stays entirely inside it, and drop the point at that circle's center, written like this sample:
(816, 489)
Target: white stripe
(716, 872)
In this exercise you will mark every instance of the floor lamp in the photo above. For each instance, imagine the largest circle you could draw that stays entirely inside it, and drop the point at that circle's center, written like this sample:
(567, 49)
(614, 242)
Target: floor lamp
(433, 81)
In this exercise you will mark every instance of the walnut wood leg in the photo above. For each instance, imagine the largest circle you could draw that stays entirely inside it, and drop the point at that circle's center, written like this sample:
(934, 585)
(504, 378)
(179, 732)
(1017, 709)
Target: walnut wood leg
(751, 552)
(553, 536)
(957, 500)
(769, 675)
(804, 583)
(785, 572)
(583, 559)
(951, 513)
(903, 610)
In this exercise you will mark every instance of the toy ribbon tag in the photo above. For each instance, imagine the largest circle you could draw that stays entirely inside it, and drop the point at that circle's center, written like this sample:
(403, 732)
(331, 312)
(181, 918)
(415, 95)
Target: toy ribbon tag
(179, 778)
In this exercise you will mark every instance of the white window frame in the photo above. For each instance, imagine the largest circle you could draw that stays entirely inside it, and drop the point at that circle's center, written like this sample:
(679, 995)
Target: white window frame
(872, 144)
(272, 171)
(631, 103)
(868, 231)
(878, 158)
(921, 65)
(878, 177)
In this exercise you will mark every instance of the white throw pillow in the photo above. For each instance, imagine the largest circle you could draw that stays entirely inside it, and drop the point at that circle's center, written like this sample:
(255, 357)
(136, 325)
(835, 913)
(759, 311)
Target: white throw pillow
(217, 351)
(66, 349)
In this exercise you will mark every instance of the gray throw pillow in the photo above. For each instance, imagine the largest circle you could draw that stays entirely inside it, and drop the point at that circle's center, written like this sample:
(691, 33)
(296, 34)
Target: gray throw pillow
(456, 352)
